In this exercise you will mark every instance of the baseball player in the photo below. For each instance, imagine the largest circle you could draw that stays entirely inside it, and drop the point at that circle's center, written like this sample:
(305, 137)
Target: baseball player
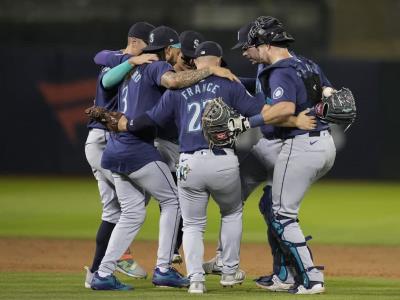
(257, 167)
(293, 83)
(94, 147)
(167, 142)
(134, 160)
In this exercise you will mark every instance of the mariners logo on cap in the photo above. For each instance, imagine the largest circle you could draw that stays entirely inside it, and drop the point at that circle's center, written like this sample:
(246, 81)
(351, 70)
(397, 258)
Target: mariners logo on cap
(196, 43)
(151, 37)
(203, 52)
(277, 93)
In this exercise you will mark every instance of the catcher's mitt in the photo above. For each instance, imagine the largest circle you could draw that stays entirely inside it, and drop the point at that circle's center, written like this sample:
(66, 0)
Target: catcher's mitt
(105, 117)
(338, 108)
(215, 121)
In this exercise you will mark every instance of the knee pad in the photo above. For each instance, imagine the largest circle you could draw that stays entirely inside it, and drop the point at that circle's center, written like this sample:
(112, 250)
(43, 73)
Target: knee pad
(291, 256)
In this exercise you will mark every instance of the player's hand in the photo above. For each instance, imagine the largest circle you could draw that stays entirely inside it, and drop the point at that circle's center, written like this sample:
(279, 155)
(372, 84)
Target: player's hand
(223, 72)
(143, 59)
(123, 123)
(305, 122)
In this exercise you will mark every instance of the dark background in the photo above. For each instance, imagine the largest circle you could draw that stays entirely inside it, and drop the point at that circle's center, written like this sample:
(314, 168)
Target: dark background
(47, 74)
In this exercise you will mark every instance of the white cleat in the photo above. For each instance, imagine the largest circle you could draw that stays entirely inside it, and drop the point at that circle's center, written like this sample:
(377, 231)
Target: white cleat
(275, 285)
(213, 266)
(233, 279)
(88, 278)
(316, 288)
(197, 287)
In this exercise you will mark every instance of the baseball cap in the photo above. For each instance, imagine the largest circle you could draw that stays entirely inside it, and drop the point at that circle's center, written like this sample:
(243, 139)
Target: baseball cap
(162, 37)
(140, 30)
(242, 36)
(190, 40)
(208, 48)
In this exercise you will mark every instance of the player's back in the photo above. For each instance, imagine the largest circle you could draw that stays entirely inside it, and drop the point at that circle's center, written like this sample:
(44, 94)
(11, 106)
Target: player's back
(189, 104)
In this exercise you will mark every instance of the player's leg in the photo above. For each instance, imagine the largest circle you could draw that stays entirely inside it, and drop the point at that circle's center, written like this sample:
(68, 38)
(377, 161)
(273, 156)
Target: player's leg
(226, 190)
(281, 279)
(193, 199)
(299, 164)
(111, 211)
(170, 153)
(133, 212)
(156, 178)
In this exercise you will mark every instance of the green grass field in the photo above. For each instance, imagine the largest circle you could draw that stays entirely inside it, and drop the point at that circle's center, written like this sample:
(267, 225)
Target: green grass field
(334, 212)
(352, 213)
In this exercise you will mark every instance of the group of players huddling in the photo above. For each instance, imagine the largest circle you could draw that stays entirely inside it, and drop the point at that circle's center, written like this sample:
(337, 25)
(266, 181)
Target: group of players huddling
(161, 82)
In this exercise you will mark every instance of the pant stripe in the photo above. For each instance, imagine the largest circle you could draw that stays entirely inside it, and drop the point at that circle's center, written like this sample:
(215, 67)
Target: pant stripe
(284, 174)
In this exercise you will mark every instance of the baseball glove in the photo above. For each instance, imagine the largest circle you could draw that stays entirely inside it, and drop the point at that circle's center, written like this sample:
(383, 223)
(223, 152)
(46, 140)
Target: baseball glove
(215, 119)
(105, 117)
(338, 108)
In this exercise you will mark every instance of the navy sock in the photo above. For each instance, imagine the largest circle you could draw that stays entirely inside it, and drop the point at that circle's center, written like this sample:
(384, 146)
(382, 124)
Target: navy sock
(102, 239)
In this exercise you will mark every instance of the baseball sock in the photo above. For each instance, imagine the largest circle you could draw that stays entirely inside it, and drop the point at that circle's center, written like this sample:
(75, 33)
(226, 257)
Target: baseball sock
(102, 239)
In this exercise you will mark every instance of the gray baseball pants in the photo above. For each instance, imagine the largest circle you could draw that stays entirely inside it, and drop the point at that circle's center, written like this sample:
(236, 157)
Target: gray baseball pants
(302, 161)
(156, 179)
(200, 175)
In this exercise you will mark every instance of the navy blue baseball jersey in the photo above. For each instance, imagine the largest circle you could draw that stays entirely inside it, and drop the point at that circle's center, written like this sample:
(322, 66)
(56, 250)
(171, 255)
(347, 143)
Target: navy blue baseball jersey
(186, 105)
(140, 91)
(284, 81)
(104, 98)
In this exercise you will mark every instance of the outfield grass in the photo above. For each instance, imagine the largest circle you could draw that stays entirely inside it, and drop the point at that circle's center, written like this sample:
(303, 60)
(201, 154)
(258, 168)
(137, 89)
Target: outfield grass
(333, 212)
(70, 286)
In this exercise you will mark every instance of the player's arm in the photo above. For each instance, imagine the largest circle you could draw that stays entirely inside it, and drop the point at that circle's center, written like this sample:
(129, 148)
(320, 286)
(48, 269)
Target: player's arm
(115, 75)
(172, 80)
(110, 58)
(281, 114)
(159, 115)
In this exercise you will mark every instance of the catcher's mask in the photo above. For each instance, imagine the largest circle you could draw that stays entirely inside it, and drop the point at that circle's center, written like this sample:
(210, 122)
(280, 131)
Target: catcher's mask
(268, 30)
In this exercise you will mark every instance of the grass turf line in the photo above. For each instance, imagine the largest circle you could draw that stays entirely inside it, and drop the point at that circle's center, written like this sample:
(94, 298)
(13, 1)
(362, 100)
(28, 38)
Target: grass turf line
(70, 286)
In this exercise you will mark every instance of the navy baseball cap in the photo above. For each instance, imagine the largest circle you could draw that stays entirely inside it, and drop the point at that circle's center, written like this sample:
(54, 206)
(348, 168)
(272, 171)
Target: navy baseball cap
(162, 37)
(242, 36)
(140, 30)
(208, 48)
(190, 40)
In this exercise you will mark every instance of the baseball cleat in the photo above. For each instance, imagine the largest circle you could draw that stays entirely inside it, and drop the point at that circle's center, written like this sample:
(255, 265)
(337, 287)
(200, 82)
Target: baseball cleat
(88, 278)
(177, 259)
(316, 287)
(213, 266)
(233, 279)
(108, 283)
(197, 287)
(274, 284)
(131, 268)
(171, 278)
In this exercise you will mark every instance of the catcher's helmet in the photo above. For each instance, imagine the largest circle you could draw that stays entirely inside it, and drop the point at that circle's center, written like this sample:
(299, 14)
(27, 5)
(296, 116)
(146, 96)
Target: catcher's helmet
(268, 30)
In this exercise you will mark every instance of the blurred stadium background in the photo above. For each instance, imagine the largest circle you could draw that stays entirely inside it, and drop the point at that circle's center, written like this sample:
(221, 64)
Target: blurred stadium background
(48, 76)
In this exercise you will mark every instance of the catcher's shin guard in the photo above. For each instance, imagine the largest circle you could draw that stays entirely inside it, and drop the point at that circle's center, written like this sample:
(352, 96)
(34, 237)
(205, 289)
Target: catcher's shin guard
(280, 263)
(290, 251)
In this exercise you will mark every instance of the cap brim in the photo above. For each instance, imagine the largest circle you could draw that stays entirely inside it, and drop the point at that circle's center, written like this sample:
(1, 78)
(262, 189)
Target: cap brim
(152, 48)
(238, 45)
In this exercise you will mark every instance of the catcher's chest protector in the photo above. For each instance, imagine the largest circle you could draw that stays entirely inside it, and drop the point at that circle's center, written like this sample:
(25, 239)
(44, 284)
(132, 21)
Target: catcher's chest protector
(307, 70)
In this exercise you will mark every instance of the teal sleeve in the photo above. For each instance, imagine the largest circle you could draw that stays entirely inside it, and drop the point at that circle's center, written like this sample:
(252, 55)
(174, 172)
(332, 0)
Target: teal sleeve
(116, 75)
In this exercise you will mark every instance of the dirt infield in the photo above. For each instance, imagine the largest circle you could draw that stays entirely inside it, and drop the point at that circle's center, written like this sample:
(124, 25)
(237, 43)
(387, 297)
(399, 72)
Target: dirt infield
(71, 255)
